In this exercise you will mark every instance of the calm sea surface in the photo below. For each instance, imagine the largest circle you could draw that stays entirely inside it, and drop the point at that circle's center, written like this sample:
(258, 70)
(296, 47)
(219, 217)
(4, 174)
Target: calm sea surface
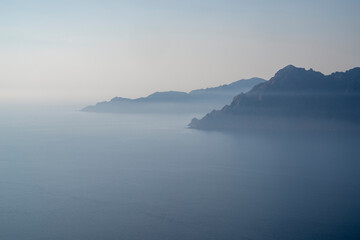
(66, 174)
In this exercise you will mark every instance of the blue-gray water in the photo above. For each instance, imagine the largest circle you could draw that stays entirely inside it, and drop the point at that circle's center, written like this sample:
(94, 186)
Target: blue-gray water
(71, 175)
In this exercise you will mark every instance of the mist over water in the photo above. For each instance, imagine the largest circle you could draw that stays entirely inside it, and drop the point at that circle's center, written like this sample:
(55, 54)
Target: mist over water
(66, 174)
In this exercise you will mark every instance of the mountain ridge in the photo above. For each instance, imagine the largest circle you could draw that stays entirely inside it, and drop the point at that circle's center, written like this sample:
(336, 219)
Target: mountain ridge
(292, 94)
(221, 94)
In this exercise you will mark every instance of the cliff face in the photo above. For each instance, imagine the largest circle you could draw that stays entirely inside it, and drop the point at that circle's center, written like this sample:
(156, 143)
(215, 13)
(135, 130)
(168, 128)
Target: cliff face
(293, 96)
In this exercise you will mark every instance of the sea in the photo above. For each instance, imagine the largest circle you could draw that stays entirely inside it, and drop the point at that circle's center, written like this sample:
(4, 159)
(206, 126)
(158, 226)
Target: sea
(67, 174)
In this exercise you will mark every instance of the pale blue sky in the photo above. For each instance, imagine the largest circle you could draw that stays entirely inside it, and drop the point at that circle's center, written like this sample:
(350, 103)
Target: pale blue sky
(94, 50)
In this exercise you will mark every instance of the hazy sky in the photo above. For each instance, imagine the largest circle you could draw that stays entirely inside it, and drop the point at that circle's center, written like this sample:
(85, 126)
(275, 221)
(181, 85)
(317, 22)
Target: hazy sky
(95, 50)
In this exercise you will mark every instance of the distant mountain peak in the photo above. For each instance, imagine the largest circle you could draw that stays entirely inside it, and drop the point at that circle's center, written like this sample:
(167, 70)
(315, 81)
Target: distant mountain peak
(291, 78)
(290, 66)
(292, 70)
(304, 96)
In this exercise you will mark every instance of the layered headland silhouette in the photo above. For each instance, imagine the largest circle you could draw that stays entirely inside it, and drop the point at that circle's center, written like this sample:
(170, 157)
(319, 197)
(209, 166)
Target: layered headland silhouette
(295, 98)
(173, 101)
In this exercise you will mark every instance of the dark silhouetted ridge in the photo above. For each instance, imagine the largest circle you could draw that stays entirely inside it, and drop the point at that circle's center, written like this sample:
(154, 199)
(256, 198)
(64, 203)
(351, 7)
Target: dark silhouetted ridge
(293, 97)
